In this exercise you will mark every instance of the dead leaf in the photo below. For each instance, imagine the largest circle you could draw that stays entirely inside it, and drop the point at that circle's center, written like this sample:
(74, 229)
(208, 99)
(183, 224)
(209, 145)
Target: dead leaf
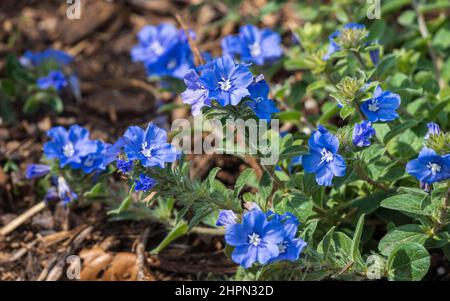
(107, 266)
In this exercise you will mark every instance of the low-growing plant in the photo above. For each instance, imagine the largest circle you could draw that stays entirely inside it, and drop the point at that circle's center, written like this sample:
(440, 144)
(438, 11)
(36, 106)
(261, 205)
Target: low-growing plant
(35, 82)
(368, 199)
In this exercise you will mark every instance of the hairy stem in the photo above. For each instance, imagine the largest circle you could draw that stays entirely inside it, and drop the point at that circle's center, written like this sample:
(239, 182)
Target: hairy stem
(437, 64)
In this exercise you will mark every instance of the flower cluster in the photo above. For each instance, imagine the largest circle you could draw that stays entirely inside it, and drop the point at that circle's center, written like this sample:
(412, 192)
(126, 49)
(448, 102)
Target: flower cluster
(430, 167)
(150, 148)
(164, 50)
(261, 237)
(253, 45)
(73, 148)
(227, 83)
(53, 73)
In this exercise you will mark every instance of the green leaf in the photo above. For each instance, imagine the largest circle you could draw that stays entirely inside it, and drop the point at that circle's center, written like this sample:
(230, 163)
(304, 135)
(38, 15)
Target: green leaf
(346, 111)
(212, 175)
(405, 203)
(400, 235)
(123, 206)
(242, 180)
(293, 151)
(327, 241)
(200, 214)
(265, 186)
(98, 191)
(319, 84)
(180, 229)
(357, 238)
(398, 129)
(408, 262)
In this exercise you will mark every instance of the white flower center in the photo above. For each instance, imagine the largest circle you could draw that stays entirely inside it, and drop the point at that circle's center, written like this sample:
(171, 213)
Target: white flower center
(146, 151)
(282, 247)
(374, 106)
(89, 162)
(172, 64)
(254, 239)
(435, 168)
(259, 99)
(68, 150)
(327, 156)
(255, 49)
(157, 48)
(225, 84)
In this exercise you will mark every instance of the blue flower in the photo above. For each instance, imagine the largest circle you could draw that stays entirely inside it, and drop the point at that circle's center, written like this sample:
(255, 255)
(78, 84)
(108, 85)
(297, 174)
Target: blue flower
(55, 79)
(150, 147)
(144, 183)
(260, 103)
(51, 194)
(253, 45)
(333, 47)
(433, 129)
(95, 161)
(164, 50)
(362, 132)
(255, 240)
(429, 167)
(69, 146)
(291, 247)
(226, 81)
(36, 171)
(196, 94)
(382, 107)
(334, 37)
(30, 59)
(65, 194)
(226, 218)
(125, 166)
(323, 159)
(374, 54)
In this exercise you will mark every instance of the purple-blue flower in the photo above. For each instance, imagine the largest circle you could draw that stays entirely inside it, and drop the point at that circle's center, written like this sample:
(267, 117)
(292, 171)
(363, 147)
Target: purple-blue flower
(221, 80)
(226, 218)
(65, 194)
(291, 247)
(226, 81)
(429, 167)
(150, 147)
(255, 240)
(334, 44)
(55, 79)
(260, 103)
(125, 166)
(196, 94)
(69, 147)
(362, 132)
(144, 183)
(36, 171)
(382, 107)
(164, 50)
(323, 159)
(51, 194)
(374, 54)
(95, 161)
(30, 59)
(253, 45)
(433, 129)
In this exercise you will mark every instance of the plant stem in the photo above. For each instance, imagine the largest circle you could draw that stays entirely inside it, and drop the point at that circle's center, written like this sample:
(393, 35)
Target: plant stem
(362, 174)
(443, 214)
(360, 59)
(437, 64)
